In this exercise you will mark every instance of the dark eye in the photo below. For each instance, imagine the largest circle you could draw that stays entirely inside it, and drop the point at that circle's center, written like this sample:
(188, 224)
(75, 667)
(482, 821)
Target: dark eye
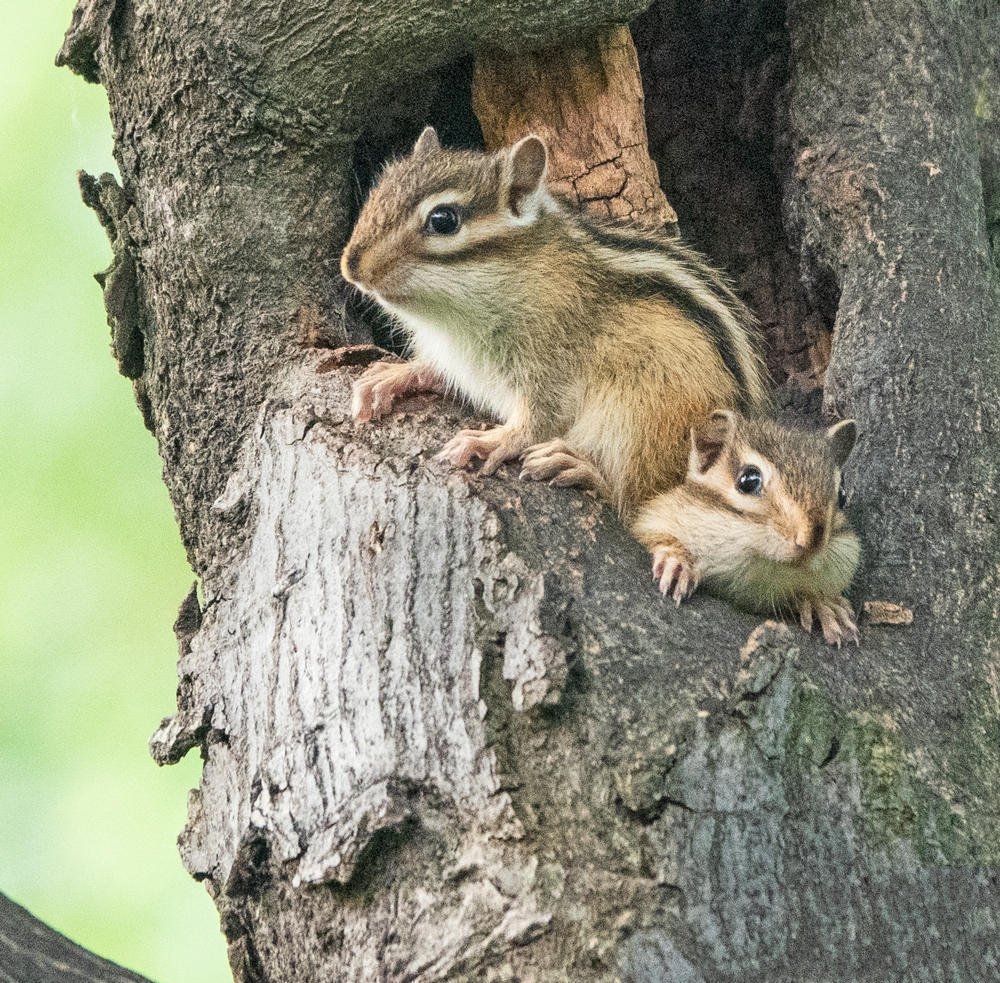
(841, 497)
(750, 481)
(443, 221)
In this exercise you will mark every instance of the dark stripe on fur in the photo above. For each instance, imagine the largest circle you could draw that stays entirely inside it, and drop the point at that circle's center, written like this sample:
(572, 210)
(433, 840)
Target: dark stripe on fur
(491, 246)
(715, 500)
(649, 285)
(635, 239)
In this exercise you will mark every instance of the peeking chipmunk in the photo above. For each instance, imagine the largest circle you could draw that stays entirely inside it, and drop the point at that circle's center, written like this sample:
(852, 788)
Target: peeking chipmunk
(759, 520)
(596, 346)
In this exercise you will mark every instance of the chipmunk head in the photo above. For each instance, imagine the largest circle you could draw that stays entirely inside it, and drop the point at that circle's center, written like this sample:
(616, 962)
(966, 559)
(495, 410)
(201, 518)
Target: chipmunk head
(438, 211)
(786, 483)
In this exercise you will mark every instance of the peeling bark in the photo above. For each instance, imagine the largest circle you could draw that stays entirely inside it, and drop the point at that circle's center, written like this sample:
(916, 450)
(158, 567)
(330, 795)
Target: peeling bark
(449, 729)
(586, 101)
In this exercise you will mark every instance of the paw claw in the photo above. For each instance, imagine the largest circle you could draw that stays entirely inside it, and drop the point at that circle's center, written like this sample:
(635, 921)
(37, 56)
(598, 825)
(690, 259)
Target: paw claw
(383, 383)
(836, 620)
(558, 464)
(494, 447)
(676, 575)
(360, 407)
(465, 445)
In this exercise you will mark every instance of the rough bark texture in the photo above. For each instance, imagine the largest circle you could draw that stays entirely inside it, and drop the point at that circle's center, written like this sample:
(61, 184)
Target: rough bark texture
(31, 952)
(449, 729)
(890, 221)
(586, 101)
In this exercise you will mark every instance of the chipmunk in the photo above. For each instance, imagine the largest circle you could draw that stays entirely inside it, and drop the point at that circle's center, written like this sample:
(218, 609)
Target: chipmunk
(595, 345)
(759, 519)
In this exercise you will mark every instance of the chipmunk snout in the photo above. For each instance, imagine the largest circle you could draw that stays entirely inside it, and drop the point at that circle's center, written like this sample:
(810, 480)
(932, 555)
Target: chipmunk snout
(350, 263)
(811, 536)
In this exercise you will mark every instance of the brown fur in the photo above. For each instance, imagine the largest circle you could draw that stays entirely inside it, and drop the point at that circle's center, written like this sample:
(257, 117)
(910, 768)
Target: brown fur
(613, 338)
(788, 548)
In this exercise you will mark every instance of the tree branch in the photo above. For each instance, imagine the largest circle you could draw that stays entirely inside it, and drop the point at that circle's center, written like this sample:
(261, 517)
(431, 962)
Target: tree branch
(31, 952)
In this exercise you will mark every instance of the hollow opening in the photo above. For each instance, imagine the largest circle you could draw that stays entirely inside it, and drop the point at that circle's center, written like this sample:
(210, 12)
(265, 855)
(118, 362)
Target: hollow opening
(715, 77)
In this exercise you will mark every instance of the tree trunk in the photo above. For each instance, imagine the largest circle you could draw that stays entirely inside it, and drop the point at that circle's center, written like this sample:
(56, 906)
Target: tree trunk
(450, 730)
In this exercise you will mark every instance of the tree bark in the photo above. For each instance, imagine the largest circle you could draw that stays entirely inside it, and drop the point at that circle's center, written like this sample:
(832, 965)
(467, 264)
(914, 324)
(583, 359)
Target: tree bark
(886, 200)
(450, 731)
(31, 952)
(585, 100)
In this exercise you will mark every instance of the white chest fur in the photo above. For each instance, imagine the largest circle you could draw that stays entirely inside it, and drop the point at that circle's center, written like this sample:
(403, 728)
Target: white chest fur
(465, 372)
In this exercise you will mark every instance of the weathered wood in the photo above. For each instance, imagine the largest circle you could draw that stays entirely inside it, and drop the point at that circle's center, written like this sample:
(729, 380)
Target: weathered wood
(585, 100)
(463, 705)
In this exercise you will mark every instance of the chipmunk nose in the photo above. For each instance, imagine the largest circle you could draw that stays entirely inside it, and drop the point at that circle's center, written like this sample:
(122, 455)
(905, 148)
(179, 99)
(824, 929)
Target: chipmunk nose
(350, 263)
(810, 536)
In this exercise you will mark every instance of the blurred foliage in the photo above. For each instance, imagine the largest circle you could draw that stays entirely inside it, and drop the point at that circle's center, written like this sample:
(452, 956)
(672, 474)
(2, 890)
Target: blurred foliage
(91, 566)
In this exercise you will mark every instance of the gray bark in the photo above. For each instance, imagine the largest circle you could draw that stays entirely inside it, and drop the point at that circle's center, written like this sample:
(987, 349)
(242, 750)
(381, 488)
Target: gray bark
(31, 952)
(450, 731)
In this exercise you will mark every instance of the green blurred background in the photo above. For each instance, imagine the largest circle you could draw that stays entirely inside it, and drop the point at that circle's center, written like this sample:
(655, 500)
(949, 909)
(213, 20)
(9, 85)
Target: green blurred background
(91, 567)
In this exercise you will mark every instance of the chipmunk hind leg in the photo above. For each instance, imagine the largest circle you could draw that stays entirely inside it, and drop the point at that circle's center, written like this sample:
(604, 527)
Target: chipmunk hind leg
(558, 463)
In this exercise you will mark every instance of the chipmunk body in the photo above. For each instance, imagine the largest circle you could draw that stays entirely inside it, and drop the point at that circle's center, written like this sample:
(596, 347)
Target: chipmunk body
(589, 342)
(759, 520)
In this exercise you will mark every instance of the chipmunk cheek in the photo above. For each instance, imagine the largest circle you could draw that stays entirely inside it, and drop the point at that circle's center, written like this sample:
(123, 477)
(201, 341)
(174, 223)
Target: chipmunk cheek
(385, 264)
(777, 545)
(374, 272)
(350, 263)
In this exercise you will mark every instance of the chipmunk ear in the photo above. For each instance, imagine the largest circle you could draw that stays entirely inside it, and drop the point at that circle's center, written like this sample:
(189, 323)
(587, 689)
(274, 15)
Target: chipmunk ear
(528, 163)
(710, 439)
(842, 437)
(427, 141)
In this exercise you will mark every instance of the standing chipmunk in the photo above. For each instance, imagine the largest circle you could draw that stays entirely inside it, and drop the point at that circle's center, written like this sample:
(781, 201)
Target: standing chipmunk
(759, 519)
(595, 345)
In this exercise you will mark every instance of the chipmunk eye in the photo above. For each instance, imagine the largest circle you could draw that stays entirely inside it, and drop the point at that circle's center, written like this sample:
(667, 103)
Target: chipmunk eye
(443, 221)
(841, 497)
(750, 481)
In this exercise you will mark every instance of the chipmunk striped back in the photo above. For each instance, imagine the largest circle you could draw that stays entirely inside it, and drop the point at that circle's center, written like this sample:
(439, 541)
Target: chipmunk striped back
(612, 337)
(658, 264)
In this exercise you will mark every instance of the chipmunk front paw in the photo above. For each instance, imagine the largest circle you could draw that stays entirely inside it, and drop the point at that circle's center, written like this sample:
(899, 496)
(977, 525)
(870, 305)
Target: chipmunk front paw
(674, 568)
(835, 616)
(383, 384)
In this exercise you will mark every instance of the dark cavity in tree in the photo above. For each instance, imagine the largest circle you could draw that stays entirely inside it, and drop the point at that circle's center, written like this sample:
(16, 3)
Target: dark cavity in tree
(442, 99)
(714, 78)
